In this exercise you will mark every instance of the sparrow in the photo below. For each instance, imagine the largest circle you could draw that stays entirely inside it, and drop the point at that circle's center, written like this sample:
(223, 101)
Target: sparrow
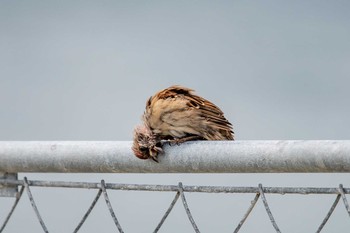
(145, 144)
(178, 115)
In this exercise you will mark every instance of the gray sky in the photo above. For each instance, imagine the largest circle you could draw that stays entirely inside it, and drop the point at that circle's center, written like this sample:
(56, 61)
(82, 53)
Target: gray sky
(83, 70)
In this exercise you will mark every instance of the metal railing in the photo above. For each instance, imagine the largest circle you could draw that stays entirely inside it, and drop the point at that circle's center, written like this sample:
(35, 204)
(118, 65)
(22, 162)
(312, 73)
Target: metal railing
(190, 157)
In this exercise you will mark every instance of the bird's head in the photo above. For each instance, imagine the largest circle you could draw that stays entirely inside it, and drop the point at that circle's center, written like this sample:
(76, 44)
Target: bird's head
(145, 144)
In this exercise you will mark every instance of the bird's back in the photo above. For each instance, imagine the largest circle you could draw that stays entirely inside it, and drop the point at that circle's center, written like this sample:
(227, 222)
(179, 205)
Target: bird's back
(177, 112)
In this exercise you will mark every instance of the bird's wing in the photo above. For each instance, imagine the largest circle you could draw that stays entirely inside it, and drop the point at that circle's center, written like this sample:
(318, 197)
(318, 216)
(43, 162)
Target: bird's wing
(191, 106)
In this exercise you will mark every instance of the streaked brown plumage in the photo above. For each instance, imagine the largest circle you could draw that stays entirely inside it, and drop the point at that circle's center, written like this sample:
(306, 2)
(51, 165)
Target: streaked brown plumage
(178, 115)
(176, 112)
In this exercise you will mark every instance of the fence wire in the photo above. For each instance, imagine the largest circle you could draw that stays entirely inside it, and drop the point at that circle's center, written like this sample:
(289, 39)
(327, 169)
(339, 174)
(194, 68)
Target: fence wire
(180, 190)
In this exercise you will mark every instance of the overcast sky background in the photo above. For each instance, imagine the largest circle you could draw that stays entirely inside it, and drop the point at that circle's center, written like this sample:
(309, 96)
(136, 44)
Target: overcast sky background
(83, 70)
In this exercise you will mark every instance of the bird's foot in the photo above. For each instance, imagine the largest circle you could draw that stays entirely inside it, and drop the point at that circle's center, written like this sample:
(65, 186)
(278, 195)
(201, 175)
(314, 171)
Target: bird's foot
(155, 159)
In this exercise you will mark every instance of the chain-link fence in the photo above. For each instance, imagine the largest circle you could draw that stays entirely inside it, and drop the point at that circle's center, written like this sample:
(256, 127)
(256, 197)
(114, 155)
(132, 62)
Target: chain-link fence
(180, 191)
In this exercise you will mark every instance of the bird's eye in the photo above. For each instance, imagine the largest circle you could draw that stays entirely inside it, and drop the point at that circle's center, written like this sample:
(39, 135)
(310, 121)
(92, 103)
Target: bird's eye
(143, 149)
(159, 144)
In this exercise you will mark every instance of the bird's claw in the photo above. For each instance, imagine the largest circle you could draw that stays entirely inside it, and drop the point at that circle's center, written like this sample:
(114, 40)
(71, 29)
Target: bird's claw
(174, 142)
(155, 159)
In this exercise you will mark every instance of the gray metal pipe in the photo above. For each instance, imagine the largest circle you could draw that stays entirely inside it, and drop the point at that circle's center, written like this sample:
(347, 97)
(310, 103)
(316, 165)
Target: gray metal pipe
(190, 157)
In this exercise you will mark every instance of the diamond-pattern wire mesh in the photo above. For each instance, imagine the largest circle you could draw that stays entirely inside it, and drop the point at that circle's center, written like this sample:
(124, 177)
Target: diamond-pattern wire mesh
(180, 190)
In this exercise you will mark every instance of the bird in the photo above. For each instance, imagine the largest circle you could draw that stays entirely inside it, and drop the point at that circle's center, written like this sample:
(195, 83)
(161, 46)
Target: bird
(176, 114)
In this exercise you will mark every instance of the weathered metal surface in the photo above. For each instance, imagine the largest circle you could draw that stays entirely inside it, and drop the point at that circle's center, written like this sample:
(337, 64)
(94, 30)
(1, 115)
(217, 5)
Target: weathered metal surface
(190, 157)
